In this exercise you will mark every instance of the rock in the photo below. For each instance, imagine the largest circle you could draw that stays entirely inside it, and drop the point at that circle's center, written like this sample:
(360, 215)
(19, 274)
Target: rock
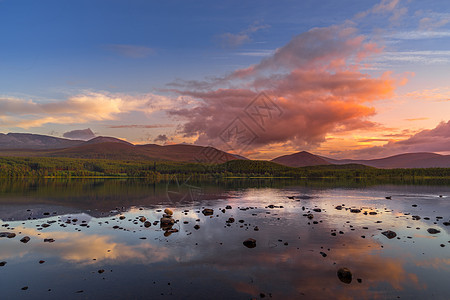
(142, 219)
(230, 220)
(167, 221)
(197, 227)
(389, 234)
(256, 228)
(416, 218)
(310, 216)
(41, 262)
(355, 210)
(388, 197)
(433, 231)
(372, 213)
(317, 210)
(122, 217)
(250, 243)
(147, 224)
(2, 263)
(323, 254)
(168, 211)
(101, 271)
(24, 288)
(208, 211)
(25, 239)
(8, 235)
(338, 207)
(344, 275)
(228, 207)
(446, 223)
(49, 240)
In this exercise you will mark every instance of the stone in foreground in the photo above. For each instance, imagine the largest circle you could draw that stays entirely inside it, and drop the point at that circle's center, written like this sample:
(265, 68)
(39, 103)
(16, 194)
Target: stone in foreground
(389, 234)
(345, 275)
(250, 243)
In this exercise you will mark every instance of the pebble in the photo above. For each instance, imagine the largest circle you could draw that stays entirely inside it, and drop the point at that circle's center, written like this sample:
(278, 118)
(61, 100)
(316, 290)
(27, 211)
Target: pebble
(345, 275)
(250, 243)
(389, 234)
(25, 239)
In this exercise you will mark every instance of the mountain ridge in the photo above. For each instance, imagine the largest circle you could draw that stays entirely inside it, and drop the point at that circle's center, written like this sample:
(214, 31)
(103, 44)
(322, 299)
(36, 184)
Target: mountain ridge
(103, 147)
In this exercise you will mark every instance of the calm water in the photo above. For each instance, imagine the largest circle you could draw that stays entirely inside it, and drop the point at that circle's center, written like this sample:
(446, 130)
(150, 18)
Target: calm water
(109, 253)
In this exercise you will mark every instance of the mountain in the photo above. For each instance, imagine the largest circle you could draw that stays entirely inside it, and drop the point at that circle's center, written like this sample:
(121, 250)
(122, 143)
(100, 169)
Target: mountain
(301, 159)
(105, 139)
(35, 145)
(407, 160)
(106, 148)
(34, 141)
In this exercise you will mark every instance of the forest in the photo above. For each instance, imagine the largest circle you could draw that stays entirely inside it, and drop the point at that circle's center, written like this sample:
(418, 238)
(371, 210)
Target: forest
(34, 167)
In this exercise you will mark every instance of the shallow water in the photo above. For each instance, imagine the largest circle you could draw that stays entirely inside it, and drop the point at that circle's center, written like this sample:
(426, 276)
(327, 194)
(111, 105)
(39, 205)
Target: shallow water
(109, 253)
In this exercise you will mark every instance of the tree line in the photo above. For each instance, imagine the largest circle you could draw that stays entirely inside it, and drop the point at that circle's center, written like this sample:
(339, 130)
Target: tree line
(21, 167)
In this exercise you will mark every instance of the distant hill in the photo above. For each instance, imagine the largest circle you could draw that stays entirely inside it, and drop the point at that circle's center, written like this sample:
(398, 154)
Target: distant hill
(301, 159)
(106, 148)
(407, 160)
(105, 139)
(35, 145)
(34, 141)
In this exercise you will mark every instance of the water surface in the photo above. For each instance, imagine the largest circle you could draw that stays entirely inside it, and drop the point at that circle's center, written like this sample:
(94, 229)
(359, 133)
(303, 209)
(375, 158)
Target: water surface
(109, 253)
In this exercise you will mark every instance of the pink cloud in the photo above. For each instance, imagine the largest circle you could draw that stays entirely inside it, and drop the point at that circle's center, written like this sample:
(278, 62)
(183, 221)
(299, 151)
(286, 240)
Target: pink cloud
(318, 85)
(429, 140)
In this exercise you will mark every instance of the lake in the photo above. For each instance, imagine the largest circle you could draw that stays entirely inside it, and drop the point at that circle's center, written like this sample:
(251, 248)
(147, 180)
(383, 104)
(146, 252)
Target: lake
(104, 239)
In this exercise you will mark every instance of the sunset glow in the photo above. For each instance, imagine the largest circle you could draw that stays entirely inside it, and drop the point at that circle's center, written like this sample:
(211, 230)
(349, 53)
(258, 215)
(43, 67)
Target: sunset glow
(360, 80)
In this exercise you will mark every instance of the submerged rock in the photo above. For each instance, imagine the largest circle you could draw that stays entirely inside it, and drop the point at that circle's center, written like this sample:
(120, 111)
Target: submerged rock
(8, 235)
(167, 221)
(25, 239)
(208, 211)
(389, 234)
(345, 275)
(250, 243)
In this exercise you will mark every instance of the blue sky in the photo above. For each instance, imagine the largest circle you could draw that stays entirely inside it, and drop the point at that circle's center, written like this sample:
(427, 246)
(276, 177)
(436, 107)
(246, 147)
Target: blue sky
(51, 51)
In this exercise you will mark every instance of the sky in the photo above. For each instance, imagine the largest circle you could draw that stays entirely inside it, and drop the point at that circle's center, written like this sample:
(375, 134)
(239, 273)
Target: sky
(343, 79)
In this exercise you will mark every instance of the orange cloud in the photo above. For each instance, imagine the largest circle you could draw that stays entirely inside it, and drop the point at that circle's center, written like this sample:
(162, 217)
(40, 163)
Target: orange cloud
(318, 86)
(78, 109)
